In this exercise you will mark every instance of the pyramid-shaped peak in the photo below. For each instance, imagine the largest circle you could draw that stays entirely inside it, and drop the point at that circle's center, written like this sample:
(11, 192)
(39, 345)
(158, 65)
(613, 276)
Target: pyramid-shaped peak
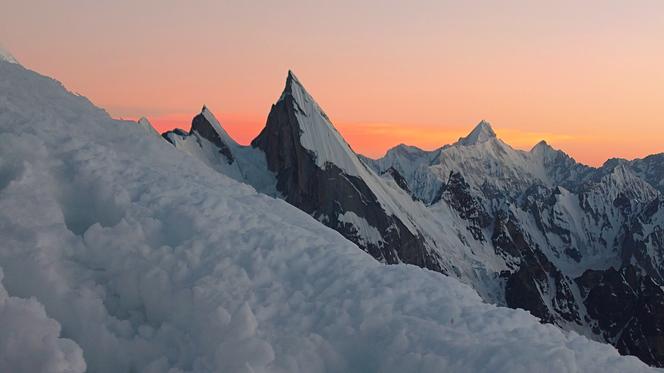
(541, 146)
(296, 90)
(207, 125)
(481, 133)
(291, 76)
(297, 120)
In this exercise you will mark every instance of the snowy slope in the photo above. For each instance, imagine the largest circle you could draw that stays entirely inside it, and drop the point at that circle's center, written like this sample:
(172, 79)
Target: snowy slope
(151, 262)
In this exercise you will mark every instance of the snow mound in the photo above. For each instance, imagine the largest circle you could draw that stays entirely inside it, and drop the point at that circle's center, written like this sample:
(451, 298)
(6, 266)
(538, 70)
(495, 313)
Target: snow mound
(6, 56)
(29, 340)
(152, 263)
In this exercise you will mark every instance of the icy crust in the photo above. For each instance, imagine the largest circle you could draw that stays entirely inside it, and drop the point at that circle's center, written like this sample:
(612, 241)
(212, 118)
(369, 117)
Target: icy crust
(152, 263)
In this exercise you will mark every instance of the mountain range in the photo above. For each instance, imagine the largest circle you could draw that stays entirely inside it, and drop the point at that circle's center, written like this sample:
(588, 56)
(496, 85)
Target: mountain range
(577, 246)
(126, 250)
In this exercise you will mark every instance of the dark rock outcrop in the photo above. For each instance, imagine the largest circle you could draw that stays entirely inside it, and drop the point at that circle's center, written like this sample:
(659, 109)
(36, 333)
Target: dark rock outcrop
(400, 180)
(536, 285)
(628, 307)
(458, 195)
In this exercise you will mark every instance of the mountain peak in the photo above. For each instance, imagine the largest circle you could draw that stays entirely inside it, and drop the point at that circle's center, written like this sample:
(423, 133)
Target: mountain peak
(297, 120)
(296, 90)
(481, 133)
(542, 147)
(207, 125)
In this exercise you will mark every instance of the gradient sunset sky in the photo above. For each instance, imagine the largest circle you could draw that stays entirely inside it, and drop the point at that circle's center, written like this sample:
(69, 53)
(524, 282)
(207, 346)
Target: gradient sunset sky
(587, 76)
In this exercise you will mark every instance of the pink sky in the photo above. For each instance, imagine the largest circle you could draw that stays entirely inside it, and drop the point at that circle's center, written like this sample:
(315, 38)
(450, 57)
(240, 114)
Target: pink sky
(585, 76)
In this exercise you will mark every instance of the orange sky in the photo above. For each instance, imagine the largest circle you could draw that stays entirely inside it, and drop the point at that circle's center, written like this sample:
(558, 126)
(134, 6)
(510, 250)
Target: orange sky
(586, 76)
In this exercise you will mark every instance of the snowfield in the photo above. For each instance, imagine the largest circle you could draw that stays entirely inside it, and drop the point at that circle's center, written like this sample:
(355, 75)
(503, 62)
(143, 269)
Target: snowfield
(121, 253)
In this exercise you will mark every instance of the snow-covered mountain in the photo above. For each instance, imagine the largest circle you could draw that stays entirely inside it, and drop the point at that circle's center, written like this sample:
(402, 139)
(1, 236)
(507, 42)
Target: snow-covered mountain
(122, 253)
(650, 168)
(209, 142)
(564, 230)
(490, 166)
(527, 229)
(314, 169)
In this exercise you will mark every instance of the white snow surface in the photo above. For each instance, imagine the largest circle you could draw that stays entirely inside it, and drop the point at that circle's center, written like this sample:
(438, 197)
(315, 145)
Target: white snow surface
(30, 340)
(6, 56)
(151, 263)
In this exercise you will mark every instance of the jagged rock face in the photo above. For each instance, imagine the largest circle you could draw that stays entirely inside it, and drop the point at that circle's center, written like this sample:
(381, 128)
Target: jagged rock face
(400, 180)
(458, 195)
(610, 223)
(628, 307)
(534, 276)
(332, 195)
(644, 241)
